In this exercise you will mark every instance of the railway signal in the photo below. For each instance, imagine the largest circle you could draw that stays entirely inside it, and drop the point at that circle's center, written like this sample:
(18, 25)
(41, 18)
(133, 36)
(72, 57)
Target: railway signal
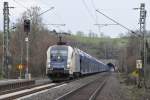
(27, 31)
(27, 26)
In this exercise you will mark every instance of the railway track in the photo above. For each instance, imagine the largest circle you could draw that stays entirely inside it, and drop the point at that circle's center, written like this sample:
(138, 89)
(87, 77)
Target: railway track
(22, 88)
(95, 87)
(86, 92)
(27, 90)
(12, 85)
(20, 93)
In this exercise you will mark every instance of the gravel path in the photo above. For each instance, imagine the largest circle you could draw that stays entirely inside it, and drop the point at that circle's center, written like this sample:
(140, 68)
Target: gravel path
(112, 90)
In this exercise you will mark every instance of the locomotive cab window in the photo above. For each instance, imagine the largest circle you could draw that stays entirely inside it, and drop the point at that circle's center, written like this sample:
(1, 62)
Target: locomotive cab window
(59, 54)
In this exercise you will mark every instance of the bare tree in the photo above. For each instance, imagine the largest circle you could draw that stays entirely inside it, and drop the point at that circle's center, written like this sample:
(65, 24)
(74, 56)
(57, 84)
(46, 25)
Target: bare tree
(39, 39)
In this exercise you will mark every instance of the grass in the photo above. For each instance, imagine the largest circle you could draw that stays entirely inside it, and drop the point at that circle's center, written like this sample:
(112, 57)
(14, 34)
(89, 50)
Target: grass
(132, 91)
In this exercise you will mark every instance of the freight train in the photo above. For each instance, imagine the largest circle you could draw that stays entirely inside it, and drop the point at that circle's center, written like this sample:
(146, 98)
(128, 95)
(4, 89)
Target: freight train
(64, 61)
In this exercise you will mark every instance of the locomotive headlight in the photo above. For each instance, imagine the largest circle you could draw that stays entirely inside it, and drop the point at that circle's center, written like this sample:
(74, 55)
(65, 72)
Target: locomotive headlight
(68, 65)
(58, 57)
(48, 66)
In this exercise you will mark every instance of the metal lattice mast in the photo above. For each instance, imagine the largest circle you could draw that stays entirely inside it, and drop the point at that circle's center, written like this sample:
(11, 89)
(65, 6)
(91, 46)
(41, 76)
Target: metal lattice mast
(142, 18)
(6, 37)
(142, 30)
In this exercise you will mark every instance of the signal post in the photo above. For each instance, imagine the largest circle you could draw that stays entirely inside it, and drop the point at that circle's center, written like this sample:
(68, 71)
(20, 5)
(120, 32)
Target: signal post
(27, 31)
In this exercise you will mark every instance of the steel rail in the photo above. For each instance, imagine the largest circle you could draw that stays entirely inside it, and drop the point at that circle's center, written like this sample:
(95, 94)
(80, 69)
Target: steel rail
(71, 93)
(27, 92)
(94, 95)
(34, 91)
(22, 88)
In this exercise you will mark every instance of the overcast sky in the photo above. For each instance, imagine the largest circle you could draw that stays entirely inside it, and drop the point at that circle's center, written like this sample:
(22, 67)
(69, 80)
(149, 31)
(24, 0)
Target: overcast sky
(81, 15)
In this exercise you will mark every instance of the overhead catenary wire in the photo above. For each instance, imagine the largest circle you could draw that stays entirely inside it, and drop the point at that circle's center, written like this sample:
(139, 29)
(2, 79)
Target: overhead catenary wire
(20, 4)
(96, 16)
(41, 13)
(56, 13)
(46, 11)
(94, 7)
(117, 23)
(28, 8)
(88, 10)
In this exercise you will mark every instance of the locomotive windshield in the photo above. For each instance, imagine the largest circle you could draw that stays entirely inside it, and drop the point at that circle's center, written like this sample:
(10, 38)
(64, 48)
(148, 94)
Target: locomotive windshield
(59, 54)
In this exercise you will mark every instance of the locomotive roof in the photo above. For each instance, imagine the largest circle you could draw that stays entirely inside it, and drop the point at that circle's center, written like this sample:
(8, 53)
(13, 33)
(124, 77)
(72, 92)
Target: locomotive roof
(79, 51)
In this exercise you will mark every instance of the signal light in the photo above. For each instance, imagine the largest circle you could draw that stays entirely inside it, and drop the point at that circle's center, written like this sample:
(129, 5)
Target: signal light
(27, 26)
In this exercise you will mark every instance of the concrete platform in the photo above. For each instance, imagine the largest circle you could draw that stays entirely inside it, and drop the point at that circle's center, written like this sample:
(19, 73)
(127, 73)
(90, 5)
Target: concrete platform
(8, 81)
(9, 84)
